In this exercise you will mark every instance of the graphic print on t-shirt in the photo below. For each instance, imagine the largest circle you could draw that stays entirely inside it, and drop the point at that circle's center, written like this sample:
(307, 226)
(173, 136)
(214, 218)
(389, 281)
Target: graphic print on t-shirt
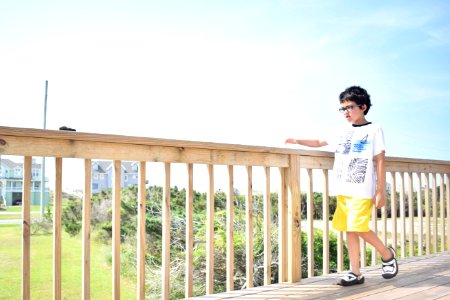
(345, 144)
(360, 145)
(357, 170)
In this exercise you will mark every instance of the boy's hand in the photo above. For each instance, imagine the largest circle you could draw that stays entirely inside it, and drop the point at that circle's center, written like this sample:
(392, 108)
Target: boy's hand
(290, 141)
(380, 200)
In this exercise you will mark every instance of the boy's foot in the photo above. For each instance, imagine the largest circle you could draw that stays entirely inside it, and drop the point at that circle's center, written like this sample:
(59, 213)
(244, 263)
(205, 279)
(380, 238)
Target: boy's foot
(350, 279)
(389, 268)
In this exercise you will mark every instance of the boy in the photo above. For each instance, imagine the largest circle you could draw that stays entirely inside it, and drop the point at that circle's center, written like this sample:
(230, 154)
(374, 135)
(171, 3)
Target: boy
(358, 148)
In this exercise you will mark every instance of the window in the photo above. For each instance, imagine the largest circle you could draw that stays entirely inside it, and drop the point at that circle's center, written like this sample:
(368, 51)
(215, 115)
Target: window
(17, 184)
(35, 173)
(95, 186)
(126, 177)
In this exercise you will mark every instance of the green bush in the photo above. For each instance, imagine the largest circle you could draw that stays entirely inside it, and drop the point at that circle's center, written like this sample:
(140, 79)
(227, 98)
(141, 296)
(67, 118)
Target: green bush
(72, 217)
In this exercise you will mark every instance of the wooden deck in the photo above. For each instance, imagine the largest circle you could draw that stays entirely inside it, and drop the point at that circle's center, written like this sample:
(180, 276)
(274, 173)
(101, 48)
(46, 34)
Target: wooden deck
(425, 277)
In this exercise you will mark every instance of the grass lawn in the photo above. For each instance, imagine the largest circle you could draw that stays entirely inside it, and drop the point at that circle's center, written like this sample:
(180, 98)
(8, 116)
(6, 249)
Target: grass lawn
(15, 212)
(41, 267)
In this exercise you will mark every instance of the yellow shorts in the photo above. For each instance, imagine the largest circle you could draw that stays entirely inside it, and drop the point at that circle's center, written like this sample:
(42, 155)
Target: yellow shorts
(352, 214)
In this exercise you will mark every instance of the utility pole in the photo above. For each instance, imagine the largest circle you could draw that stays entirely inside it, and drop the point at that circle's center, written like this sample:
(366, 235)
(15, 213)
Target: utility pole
(43, 158)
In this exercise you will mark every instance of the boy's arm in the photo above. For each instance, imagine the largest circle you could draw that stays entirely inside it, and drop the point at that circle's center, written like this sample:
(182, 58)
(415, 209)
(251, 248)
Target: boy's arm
(309, 143)
(380, 197)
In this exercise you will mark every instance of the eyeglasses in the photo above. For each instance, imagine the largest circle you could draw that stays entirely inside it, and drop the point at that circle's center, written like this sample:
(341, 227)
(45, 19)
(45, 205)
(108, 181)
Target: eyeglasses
(348, 108)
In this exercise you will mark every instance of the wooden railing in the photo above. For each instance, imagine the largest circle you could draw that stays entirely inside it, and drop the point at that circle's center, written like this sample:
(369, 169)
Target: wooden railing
(421, 175)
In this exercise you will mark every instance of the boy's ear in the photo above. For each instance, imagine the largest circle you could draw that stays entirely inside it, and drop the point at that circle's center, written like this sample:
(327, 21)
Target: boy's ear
(364, 107)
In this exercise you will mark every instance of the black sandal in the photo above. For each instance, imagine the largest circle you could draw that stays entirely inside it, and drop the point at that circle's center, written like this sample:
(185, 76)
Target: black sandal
(389, 268)
(350, 279)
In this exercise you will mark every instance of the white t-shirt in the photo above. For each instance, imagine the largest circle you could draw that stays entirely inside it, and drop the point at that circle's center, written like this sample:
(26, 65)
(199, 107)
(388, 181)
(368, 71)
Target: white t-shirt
(353, 167)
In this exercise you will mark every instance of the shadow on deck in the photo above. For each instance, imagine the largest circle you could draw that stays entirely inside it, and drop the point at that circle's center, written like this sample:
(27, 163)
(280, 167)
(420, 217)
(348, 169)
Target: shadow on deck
(425, 277)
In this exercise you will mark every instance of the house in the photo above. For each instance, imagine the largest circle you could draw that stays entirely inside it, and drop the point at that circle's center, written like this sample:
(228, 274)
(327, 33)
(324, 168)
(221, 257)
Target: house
(102, 175)
(11, 183)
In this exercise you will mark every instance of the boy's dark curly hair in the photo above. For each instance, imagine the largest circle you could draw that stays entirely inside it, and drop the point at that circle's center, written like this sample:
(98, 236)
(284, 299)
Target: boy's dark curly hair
(358, 95)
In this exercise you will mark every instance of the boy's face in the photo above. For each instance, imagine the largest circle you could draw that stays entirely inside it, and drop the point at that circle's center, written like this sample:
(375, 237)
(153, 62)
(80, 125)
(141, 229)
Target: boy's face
(352, 112)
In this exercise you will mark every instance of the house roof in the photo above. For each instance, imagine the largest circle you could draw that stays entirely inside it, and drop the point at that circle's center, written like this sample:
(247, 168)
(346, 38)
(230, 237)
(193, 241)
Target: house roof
(7, 163)
(104, 165)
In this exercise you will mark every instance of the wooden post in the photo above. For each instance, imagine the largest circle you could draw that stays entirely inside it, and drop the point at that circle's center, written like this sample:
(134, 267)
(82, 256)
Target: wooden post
(283, 228)
(294, 221)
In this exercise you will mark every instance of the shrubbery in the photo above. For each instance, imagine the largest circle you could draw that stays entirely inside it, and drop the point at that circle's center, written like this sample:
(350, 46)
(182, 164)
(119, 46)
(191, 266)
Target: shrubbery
(101, 223)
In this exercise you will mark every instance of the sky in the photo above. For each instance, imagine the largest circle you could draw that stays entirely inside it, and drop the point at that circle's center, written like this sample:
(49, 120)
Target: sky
(239, 72)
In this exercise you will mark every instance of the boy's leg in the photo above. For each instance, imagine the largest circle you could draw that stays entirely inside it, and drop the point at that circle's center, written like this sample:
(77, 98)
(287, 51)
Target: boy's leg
(353, 251)
(354, 276)
(389, 264)
(375, 241)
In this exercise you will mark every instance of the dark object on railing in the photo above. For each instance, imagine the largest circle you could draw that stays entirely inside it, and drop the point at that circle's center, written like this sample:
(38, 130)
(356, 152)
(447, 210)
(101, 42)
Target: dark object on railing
(66, 128)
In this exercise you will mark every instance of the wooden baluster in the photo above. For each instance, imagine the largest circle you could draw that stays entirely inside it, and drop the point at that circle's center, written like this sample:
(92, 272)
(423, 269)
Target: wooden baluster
(165, 259)
(229, 229)
(394, 210)
(310, 222)
(26, 227)
(340, 251)
(384, 222)
(435, 221)
(210, 233)
(447, 184)
(142, 193)
(442, 211)
(411, 213)
(57, 230)
(189, 282)
(420, 215)
(427, 214)
(267, 223)
(326, 226)
(249, 228)
(116, 230)
(375, 229)
(362, 253)
(402, 216)
(86, 232)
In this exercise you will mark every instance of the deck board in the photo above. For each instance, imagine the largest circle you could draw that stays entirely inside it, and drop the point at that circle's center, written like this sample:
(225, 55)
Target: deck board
(424, 277)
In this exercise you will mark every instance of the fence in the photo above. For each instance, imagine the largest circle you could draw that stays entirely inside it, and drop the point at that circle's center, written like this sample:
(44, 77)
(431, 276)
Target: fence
(406, 176)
